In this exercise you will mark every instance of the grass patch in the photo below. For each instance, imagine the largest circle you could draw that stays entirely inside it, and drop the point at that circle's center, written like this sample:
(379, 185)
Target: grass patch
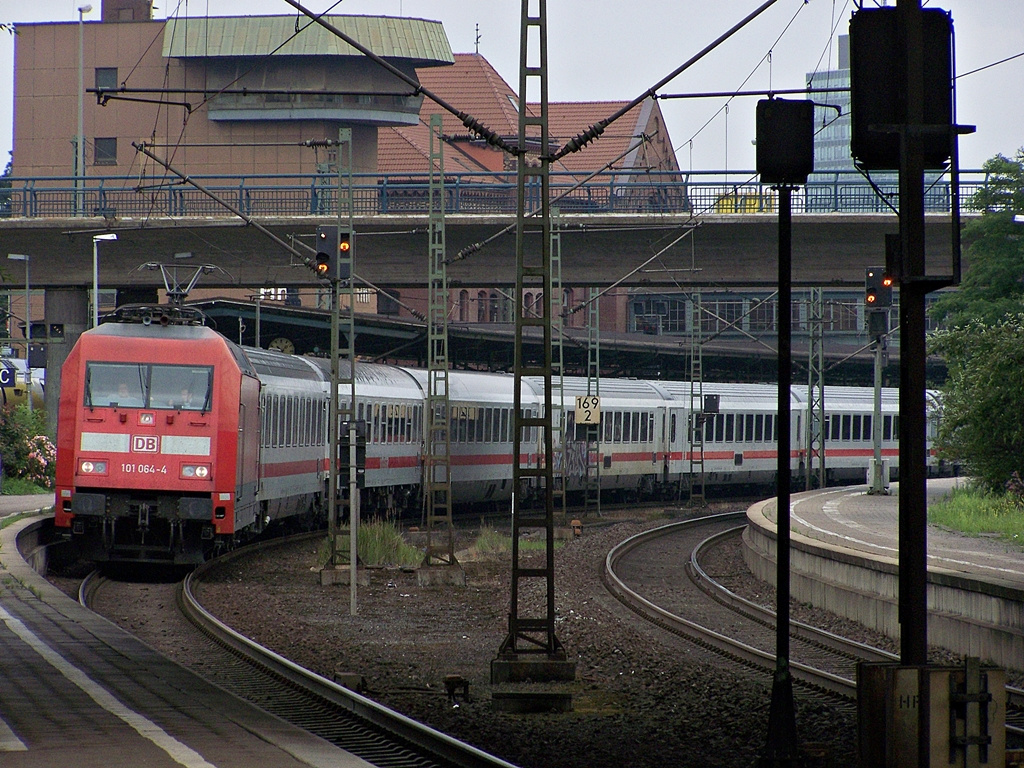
(975, 512)
(11, 519)
(380, 543)
(495, 543)
(19, 486)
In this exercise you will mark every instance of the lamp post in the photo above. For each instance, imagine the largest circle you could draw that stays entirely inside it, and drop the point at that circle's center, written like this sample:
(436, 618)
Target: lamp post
(96, 274)
(79, 137)
(28, 326)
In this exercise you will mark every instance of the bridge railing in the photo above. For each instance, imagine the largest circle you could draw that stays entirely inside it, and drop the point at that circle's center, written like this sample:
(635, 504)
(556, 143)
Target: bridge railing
(704, 192)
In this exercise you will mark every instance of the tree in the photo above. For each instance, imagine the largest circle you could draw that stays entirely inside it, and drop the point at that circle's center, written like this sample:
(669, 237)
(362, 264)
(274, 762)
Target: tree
(993, 282)
(983, 399)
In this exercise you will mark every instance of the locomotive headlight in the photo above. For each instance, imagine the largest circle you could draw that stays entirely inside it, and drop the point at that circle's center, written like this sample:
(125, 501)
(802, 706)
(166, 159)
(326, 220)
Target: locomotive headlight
(195, 471)
(149, 419)
(93, 467)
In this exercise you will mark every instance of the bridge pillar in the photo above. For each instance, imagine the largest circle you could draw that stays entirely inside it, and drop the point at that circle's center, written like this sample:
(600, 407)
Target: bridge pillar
(68, 307)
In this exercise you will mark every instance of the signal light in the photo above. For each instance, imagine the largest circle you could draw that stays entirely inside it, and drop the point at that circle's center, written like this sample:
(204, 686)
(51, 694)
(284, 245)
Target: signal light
(322, 266)
(877, 287)
(327, 265)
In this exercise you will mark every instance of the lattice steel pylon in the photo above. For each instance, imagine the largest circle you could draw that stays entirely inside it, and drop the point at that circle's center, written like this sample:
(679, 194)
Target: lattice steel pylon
(533, 635)
(695, 426)
(343, 410)
(558, 422)
(437, 481)
(815, 472)
(592, 482)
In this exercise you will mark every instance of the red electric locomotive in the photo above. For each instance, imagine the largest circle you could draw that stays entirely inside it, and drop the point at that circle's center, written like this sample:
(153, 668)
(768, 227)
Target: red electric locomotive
(157, 434)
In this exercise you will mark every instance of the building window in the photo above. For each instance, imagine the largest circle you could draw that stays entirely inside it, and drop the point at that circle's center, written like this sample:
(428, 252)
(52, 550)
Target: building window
(105, 152)
(106, 78)
(481, 307)
(464, 306)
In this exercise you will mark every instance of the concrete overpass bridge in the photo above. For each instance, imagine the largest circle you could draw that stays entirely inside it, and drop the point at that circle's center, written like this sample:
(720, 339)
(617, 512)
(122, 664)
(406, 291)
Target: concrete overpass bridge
(675, 250)
(668, 229)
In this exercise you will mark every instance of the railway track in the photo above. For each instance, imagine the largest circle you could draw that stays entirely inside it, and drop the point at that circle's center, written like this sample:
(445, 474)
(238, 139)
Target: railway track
(821, 662)
(373, 732)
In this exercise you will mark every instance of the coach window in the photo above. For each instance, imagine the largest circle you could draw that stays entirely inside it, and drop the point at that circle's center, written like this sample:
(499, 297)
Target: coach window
(729, 427)
(286, 438)
(750, 428)
(479, 413)
(867, 427)
(855, 432)
(847, 427)
(887, 427)
(617, 427)
(287, 404)
(273, 421)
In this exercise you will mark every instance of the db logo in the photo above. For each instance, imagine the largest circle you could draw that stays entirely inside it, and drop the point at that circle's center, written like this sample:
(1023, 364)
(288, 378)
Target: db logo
(145, 444)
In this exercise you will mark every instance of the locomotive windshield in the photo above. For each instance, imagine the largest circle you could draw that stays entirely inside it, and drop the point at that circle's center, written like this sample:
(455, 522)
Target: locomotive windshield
(140, 385)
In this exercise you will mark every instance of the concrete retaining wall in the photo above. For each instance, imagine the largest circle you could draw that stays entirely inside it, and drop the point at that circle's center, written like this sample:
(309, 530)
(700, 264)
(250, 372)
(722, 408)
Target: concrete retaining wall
(965, 615)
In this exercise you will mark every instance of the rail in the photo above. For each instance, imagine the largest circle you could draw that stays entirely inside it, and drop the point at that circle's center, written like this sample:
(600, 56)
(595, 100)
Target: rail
(315, 194)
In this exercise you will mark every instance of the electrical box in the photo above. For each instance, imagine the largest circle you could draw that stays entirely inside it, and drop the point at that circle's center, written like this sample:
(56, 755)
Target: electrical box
(878, 87)
(930, 716)
(785, 141)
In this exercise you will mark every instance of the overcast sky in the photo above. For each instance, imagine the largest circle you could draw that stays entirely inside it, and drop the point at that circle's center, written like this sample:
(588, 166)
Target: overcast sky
(618, 49)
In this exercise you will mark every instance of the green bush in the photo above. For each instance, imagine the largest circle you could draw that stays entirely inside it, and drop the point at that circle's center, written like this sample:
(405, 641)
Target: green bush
(28, 454)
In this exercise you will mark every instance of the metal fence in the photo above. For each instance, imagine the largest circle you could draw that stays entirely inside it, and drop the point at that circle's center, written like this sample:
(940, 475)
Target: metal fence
(699, 193)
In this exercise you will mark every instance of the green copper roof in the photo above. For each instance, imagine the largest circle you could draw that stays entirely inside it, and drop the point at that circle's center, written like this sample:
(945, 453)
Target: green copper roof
(418, 40)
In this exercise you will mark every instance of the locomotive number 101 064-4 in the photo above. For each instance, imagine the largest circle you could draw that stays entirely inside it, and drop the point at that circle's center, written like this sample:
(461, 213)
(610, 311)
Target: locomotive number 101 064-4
(144, 469)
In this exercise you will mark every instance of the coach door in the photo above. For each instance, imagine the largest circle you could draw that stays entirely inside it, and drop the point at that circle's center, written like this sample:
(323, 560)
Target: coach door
(247, 471)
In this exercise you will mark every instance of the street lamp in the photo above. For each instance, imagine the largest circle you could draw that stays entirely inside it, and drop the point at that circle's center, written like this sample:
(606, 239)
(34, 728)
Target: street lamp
(28, 326)
(96, 274)
(80, 138)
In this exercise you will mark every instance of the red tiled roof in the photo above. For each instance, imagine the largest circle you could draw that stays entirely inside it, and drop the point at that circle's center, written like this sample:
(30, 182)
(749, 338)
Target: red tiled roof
(407, 150)
(474, 87)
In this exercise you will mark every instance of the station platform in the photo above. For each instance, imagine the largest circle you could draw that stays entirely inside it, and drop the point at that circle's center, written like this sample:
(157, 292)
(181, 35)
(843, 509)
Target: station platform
(77, 690)
(844, 557)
